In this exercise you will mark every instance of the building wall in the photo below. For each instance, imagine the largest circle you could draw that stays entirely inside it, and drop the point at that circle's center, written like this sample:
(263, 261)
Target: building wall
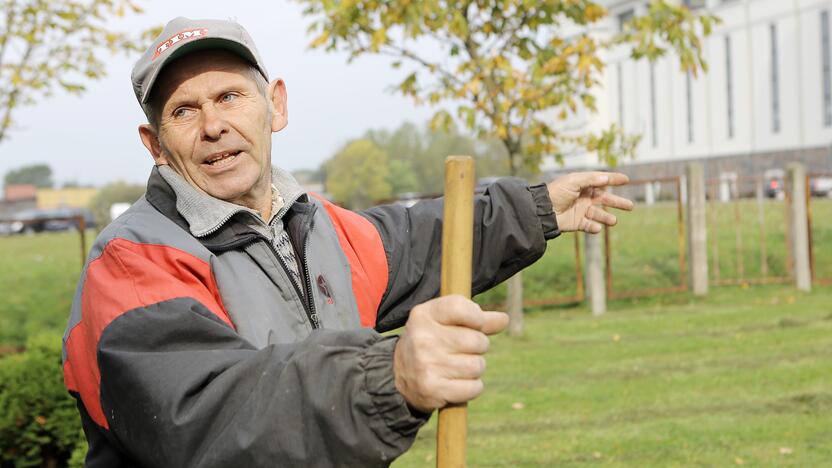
(65, 198)
(18, 192)
(747, 24)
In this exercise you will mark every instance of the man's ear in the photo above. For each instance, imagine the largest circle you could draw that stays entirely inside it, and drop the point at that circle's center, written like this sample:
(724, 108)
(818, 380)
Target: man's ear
(151, 141)
(277, 94)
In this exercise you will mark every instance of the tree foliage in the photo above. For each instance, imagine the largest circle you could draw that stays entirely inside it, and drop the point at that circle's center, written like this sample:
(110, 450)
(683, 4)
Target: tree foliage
(116, 192)
(357, 175)
(508, 66)
(56, 44)
(416, 156)
(39, 175)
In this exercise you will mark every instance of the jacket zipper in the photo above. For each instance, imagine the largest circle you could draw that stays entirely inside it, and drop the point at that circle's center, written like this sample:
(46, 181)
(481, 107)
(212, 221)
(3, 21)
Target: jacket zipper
(307, 301)
(313, 315)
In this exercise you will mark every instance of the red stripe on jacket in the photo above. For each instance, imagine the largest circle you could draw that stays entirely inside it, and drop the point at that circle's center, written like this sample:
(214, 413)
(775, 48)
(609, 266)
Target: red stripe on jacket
(127, 276)
(362, 245)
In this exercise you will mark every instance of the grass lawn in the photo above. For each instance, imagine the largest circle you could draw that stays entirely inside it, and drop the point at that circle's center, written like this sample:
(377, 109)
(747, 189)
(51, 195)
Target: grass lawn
(743, 377)
(38, 275)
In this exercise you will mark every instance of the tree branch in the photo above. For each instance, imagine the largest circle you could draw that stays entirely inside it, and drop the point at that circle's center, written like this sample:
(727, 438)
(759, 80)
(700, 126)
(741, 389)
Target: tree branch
(11, 102)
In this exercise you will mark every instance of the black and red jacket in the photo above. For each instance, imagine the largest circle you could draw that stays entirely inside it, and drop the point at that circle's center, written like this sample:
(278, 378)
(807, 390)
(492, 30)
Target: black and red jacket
(187, 350)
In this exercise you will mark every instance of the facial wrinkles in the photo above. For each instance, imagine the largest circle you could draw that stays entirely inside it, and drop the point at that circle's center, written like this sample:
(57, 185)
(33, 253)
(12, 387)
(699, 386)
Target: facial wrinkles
(241, 124)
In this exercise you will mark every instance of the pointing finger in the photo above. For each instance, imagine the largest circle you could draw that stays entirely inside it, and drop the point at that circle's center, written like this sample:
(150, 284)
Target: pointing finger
(598, 179)
(597, 214)
(613, 201)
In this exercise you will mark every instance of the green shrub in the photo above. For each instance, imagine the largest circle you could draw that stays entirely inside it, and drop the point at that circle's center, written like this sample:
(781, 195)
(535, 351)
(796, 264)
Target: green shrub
(39, 423)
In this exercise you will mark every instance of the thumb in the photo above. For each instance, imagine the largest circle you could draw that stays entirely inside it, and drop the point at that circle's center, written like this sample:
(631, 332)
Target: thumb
(495, 322)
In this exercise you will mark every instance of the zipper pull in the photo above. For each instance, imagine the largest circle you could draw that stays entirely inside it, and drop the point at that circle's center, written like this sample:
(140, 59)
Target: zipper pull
(316, 323)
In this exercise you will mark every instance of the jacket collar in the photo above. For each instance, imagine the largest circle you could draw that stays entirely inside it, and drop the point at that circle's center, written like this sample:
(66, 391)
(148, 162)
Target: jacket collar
(205, 214)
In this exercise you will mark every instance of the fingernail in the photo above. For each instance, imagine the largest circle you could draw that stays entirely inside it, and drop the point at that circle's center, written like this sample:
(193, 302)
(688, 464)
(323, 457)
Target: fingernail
(603, 179)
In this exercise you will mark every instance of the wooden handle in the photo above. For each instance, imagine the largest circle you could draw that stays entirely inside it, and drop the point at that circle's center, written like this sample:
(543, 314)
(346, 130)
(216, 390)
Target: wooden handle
(457, 249)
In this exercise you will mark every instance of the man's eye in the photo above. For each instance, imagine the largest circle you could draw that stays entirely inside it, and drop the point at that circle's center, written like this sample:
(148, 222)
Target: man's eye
(228, 97)
(180, 112)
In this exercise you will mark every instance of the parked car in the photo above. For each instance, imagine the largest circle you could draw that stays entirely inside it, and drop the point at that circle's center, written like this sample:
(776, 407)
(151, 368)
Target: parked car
(773, 180)
(821, 186)
(59, 219)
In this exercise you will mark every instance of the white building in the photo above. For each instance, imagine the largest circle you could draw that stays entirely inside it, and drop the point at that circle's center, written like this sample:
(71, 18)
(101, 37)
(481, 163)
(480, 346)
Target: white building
(766, 100)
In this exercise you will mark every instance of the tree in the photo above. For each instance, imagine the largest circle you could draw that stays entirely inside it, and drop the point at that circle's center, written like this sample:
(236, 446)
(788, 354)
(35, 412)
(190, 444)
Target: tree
(516, 70)
(39, 175)
(508, 65)
(357, 175)
(116, 192)
(416, 156)
(54, 44)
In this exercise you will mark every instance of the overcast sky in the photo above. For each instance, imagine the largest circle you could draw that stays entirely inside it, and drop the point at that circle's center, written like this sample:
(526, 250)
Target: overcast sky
(92, 139)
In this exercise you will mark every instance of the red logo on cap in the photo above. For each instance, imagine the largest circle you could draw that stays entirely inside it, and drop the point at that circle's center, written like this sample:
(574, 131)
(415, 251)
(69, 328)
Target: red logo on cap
(185, 35)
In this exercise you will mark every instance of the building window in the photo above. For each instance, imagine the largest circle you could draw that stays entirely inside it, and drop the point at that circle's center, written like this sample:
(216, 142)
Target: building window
(729, 87)
(689, 98)
(775, 81)
(619, 70)
(825, 67)
(653, 131)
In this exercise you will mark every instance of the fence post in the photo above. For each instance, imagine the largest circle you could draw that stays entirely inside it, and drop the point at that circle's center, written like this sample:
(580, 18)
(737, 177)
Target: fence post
(697, 229)
(798, 219)
(596, 289)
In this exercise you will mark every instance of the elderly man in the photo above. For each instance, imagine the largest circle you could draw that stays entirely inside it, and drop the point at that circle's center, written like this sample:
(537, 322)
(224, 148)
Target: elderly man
(230, 319)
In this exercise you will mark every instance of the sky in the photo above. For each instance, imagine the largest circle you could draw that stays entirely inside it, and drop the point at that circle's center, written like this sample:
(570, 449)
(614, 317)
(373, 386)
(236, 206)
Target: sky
(93, 138)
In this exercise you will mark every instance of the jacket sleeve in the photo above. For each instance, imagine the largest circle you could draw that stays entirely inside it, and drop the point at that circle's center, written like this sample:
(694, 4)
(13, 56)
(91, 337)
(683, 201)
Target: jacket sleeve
(512, 223)
(179, 387)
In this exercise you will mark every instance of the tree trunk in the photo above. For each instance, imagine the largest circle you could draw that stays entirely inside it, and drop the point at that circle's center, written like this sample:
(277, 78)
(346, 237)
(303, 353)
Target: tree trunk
(514, 298)
(514, 303)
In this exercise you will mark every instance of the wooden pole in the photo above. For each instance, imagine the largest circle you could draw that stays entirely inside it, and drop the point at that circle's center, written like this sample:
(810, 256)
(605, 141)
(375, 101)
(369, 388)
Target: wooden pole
(457, 251)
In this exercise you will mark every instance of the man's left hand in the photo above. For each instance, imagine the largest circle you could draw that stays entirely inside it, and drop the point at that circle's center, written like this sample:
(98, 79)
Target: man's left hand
(579, 200)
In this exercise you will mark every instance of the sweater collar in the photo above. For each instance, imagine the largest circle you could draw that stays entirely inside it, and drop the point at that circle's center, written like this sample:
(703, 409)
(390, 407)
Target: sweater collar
(206, 214)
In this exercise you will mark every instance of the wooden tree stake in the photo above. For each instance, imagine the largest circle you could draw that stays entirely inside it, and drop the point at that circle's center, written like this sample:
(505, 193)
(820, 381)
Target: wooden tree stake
(457, 251)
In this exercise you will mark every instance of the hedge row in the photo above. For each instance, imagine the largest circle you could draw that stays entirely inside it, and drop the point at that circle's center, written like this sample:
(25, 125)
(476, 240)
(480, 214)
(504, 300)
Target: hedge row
(39, 424)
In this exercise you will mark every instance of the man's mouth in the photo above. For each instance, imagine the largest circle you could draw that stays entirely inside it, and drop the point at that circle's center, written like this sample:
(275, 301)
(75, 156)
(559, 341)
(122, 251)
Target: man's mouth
(222, 159)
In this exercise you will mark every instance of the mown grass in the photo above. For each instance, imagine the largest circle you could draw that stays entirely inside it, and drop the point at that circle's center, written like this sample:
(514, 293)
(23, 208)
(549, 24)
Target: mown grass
(742, 377)
(38, 275)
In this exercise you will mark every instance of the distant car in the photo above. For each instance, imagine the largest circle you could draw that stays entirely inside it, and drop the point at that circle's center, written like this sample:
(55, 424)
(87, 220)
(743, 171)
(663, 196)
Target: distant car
(31, 221)
(773, 180)
(821, 186)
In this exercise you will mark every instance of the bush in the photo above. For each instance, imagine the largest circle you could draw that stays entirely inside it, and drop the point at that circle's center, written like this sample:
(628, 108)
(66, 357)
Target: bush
(117, 192)
(39, 423)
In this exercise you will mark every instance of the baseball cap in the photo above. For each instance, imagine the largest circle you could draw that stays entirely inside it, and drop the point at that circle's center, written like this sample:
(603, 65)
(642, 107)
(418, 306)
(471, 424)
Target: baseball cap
(185, 35)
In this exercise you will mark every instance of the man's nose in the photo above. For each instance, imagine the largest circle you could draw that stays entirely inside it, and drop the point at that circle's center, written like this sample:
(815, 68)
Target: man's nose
(213, 123)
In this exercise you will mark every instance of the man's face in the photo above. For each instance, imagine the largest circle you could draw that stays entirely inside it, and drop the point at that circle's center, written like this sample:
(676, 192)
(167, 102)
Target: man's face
(215, 126)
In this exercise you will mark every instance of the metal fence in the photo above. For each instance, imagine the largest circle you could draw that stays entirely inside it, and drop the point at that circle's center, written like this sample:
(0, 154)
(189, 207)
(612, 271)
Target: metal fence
(666, 210)
(819, 211)
(748, 232)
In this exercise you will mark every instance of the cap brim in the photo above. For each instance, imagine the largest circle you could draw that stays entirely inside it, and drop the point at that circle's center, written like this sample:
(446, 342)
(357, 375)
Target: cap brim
(196, 45)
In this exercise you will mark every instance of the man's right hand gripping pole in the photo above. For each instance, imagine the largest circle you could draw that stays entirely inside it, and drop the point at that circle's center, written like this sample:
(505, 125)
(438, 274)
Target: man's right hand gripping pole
(440, 357)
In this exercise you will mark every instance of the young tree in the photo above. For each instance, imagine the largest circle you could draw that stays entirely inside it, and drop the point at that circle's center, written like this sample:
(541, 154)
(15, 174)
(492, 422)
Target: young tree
(55, 44)
(357, 175)
(516, 70)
